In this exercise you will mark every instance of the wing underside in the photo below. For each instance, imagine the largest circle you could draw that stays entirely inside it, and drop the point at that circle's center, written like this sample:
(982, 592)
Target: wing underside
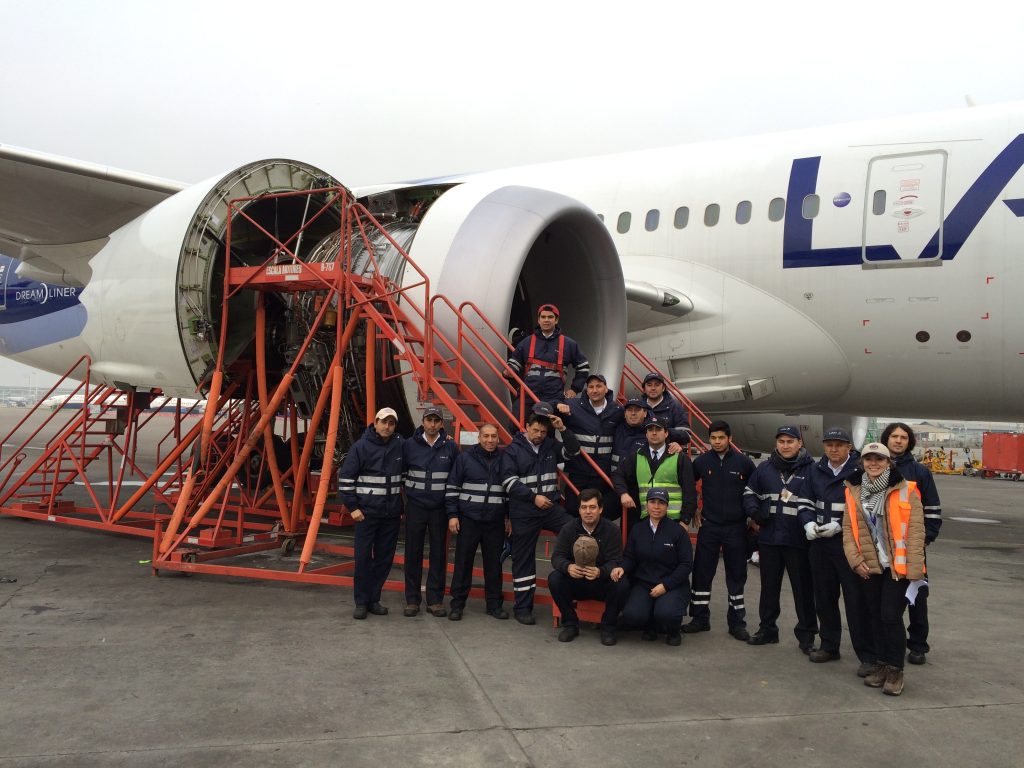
(56, 212)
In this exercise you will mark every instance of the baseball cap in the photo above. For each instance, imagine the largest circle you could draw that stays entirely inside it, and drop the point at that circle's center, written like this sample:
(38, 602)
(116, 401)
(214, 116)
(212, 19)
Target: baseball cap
(876, 448)
(386, 413)
(654, 421)
(542, 409)
(836, 433)
(790, 430)
(658, 493)
(433, 410)
(597, 376)
(654, 376)
(549, 308)
(636, 402)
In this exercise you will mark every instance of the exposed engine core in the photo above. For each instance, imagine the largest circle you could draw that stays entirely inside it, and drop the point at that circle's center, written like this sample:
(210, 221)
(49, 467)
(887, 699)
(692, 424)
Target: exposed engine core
(507, 249)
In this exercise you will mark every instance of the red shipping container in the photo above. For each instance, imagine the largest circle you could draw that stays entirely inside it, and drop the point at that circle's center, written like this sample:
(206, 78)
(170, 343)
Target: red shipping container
(1003, 452)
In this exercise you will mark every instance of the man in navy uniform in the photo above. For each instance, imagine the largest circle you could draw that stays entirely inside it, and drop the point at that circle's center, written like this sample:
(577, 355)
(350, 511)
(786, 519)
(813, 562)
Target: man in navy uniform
(656, 466)
(661, 404)
(722, 473)
(370, 484)
(529, 469)
(773, 497)
(478, 513)
(593, 417)
(542, 358)
(429, 456)
(630, 434)
(822, 520)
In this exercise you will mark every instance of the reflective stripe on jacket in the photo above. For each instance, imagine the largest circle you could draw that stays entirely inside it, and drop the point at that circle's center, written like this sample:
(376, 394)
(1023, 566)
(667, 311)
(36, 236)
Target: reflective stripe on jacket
(427, 467)
(372, 476)
(474, 487)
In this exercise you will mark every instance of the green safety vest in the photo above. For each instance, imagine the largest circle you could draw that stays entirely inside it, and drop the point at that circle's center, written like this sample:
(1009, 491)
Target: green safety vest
(667, 477)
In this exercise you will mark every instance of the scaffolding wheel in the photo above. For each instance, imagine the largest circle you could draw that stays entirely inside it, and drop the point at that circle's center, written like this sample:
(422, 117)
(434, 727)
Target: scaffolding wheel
(287, 546)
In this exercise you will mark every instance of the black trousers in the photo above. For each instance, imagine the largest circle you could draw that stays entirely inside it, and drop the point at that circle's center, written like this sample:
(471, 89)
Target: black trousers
(376, 541)
(525, 532)
(611, 506)
(565, 589)
(730, 540)
(917, 629)
(887, 600)
(663, 613)
(490, 538)
(776, 560)
(420, 521)
(832, 574)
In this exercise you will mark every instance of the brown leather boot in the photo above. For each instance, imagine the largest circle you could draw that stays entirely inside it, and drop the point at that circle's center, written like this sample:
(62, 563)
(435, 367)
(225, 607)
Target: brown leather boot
(877, 678)
(893, 682)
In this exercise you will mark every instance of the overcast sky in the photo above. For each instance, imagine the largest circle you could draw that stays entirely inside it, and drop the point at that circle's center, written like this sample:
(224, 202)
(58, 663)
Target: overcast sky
(375, 92)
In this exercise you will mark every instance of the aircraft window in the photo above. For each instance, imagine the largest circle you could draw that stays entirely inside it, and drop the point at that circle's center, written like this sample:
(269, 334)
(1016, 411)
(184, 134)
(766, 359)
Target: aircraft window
(963, 336)
(809, 209)
(624, 220)
(711, 214)
(653, 216)
(922, 336)
(600, 216)
(743, 209)
(776, 209)
(878, 202)
(682, 217)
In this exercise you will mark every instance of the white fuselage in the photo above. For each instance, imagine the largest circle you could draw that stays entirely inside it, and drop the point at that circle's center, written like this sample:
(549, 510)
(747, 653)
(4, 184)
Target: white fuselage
(842, 337)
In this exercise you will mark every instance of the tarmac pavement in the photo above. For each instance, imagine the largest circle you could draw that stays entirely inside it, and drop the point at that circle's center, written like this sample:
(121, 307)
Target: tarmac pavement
(104, 665)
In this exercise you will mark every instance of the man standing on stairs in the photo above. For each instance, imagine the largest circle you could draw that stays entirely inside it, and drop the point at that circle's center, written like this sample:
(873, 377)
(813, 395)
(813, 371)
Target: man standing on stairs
(429, 456)
(529, 470)
(593, 417)
(542, 359)
(370, 484)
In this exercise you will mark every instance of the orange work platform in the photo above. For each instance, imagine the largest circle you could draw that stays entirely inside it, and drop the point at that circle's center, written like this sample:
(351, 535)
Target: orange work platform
(247, 486)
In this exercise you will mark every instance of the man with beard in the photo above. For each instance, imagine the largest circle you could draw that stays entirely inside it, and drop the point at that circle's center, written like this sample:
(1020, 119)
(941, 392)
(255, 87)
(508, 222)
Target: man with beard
(772, 498)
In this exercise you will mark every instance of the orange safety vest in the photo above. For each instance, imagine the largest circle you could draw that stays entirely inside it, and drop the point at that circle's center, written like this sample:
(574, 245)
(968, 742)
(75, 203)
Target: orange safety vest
(557, 366)
(897, 514)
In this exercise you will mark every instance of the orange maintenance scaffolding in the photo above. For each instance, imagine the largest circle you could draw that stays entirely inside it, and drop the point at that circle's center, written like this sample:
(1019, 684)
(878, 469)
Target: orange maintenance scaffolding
(240, 487)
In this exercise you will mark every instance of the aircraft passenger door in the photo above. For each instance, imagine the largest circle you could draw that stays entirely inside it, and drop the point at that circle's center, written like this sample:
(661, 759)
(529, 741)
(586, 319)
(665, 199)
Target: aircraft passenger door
(904, 210)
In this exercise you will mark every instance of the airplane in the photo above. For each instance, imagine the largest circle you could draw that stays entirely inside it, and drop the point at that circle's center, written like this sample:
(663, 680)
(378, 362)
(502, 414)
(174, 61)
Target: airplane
(815, 276)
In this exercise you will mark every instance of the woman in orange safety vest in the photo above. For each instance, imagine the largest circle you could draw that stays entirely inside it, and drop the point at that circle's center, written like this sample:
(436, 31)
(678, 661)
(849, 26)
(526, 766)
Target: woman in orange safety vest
(883, 537)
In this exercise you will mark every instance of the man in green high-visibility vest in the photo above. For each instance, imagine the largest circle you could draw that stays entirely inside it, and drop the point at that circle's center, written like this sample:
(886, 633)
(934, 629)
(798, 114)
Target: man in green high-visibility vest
(655, 467)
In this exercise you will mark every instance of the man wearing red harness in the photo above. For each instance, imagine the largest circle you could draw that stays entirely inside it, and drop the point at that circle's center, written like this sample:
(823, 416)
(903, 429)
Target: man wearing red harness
(542, 359)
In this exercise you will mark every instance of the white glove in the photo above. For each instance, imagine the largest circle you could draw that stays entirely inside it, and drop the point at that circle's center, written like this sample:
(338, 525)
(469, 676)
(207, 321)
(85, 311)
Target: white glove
(811, 531)
(829, 529)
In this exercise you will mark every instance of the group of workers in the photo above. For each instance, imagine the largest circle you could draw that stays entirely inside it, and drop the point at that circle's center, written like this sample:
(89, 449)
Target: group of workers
(854, 525)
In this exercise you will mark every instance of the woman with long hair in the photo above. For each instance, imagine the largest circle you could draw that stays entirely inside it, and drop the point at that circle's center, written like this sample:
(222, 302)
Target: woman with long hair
(883, 537)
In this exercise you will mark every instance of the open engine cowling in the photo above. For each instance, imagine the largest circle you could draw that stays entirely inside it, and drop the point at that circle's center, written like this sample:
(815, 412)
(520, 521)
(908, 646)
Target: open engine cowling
(154, 299)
